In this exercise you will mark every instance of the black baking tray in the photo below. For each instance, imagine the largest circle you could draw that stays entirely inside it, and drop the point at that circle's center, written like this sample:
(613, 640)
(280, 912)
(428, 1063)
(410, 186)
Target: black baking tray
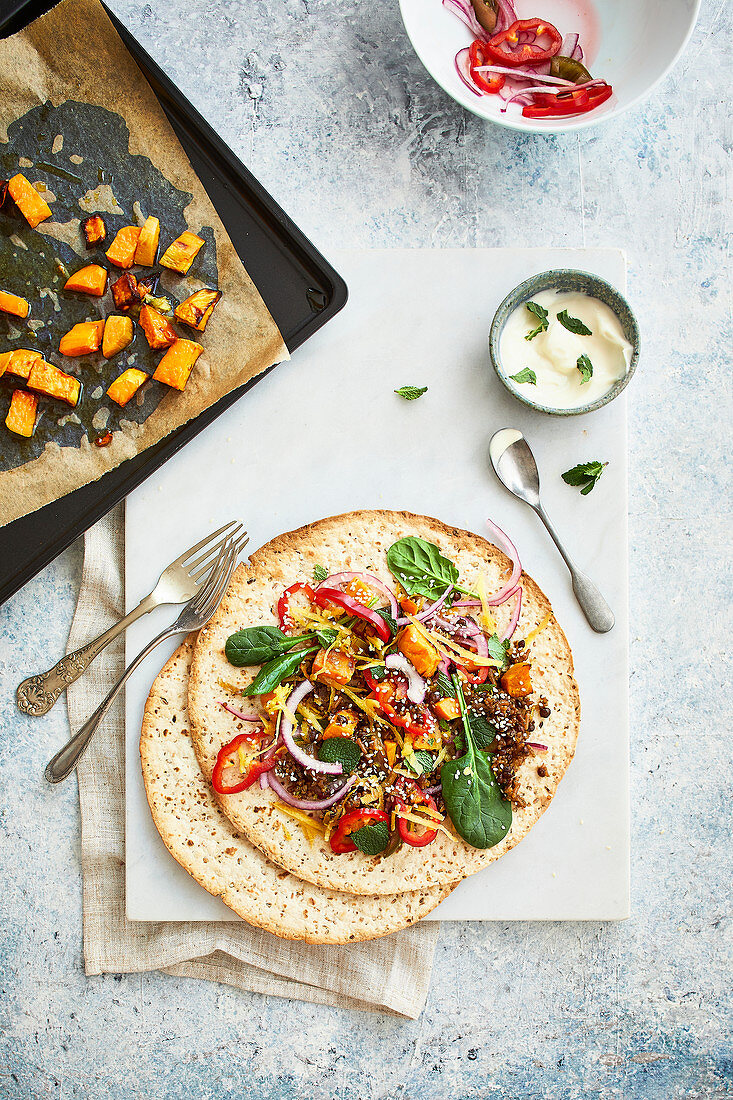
(299, 287)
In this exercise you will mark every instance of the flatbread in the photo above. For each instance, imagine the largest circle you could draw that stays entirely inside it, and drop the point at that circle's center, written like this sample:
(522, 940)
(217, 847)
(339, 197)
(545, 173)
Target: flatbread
(201, 839)
(359, 541)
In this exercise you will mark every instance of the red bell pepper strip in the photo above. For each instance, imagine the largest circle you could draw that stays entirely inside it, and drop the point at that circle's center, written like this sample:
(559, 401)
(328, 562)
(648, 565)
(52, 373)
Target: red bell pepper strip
(349, 823)
(325, 596)
(407, 829)
(576, 101)
(488, 82)
(519, 44)
(283, 604)
(237, 767)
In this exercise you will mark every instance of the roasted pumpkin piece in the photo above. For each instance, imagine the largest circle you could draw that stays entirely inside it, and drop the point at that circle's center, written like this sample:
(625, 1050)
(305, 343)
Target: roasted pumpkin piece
(21, 417)
(147, 243)
(420, 652)
(121, 252)
(11, 303)
(48, 379)
(333, 666)
(33, 208)
(180, 255)
(177, 363)
(126, 291)
(95, 231)
(21, 361)
(91, 279)
(159, 332)
(118, 332)
(517, 681)
(82, 339)
(197, 309)
(4, 361)
(127, 385)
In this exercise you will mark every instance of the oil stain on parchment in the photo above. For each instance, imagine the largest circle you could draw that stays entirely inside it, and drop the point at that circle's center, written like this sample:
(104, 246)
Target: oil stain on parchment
(92, 158)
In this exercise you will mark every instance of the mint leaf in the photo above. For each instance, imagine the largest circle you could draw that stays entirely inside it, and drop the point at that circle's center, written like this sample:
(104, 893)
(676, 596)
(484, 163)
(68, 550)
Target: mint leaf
(371, 839)
(541, 313)
(340, 750)
(482, 730)
(443, 683)
(525, 375)
(424, 761)
(585, 474)
(497, 649)
(319, 574)
(585, 367)
(387, 616)
(411, 393)
(326, 636)
(573, 324)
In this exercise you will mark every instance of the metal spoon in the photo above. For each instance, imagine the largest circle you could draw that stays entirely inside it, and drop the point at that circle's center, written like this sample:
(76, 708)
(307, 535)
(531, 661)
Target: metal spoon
(515, 466)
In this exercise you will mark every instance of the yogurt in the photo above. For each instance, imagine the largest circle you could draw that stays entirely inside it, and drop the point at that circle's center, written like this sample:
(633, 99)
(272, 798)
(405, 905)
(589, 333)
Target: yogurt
(571, 370)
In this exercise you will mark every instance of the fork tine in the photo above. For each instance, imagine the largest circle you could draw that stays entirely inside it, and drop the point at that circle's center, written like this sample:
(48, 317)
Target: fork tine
(199, 545)
(210, 551)
(240, 544)
(211, 595)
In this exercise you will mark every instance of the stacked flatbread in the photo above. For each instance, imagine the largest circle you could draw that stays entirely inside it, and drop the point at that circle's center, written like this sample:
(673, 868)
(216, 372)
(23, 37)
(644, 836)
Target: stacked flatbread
(244, 848)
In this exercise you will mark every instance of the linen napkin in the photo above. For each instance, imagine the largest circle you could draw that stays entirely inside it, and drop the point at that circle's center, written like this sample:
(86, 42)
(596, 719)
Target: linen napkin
(390, 974)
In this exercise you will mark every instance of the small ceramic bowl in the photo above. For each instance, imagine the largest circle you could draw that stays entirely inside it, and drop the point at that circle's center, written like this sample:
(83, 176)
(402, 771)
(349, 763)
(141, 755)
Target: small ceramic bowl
(581, 282)
(632, 44)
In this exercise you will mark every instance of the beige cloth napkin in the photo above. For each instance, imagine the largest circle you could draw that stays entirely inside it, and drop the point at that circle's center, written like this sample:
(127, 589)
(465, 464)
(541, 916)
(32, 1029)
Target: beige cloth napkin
(390, 974)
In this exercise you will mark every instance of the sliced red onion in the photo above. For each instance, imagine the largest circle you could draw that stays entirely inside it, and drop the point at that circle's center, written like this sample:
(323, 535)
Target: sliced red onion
(527, 74)
(433, 790)
(427, 611)
(416, 686)
(268, 756)
(464, 10)
(366, 578)
(444, 666)
(506, 15)
(503, 542)
(467, 603)
(514, 619)
(304, 803)
(536, 745)
(463, 68)
(286, 732)
(568, 45)
(238, 713)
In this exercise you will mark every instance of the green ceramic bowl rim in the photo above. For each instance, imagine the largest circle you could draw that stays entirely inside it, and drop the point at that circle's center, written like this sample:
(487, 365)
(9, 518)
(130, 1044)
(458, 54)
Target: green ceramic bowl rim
(564, 279)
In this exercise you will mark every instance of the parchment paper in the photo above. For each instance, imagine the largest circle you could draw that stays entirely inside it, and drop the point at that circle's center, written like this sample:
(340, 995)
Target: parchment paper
(67, 73)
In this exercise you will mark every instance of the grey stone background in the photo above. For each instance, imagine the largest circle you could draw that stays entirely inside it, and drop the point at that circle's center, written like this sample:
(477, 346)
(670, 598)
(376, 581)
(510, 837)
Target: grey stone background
(328, 106)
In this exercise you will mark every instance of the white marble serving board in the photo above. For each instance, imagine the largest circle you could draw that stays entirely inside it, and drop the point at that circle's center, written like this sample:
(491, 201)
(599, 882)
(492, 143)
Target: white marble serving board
(325, 434)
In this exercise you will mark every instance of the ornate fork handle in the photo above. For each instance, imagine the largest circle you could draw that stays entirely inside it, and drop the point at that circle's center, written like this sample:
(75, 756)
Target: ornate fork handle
(36, 695)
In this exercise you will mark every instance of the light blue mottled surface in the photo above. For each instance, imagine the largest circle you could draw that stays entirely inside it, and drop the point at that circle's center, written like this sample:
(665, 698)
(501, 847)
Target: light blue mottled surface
(326, 104)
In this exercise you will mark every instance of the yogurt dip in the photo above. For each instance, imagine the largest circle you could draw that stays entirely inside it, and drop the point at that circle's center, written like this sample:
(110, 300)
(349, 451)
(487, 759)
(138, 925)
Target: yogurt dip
(559, 368)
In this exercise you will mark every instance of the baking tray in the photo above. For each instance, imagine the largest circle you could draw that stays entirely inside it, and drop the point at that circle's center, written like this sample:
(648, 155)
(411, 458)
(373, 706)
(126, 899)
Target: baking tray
(300, 288)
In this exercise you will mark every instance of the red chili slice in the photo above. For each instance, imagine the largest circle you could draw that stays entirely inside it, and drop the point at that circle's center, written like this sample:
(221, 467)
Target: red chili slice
(488, 82)
(349, 823)
(283, 604)
(325, 596)
(575, 101)
(519, 44)
(235, 771)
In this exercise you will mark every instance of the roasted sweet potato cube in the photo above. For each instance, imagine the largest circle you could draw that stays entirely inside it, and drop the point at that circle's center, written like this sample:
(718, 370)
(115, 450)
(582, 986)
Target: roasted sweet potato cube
(180, 255)
(82, 339)
(177, 363)
(33, 208)
(91, 279)
(118, 333)
(197, 309)
(21, 417)
(121, 252)
(5, 361)
(11, 303)
(21, 361)
(333, 666)
(95, 231)
(125, 291)
(159, 332)
(48, 379)
(517, 681)
(147, 243)
(418, 650)
(127, 385)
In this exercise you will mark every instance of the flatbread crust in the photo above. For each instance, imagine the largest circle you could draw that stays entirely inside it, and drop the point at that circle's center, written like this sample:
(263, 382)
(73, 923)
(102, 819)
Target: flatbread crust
(359, 541)
(204, 842)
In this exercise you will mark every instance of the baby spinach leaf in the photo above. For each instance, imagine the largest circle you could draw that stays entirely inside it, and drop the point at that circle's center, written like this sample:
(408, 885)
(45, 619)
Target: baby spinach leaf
(573, 324)
(420, 567)
(477, 808)
(340, 750)
(274, 672)
(371, 839)
(541, 313)
(256, 644)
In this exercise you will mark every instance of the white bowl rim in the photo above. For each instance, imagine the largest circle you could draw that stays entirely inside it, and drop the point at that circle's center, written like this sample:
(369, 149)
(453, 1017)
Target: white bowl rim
(523, 125)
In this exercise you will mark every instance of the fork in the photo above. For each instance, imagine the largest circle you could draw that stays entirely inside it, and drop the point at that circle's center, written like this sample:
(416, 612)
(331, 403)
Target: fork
(194, 615)
(176, 584)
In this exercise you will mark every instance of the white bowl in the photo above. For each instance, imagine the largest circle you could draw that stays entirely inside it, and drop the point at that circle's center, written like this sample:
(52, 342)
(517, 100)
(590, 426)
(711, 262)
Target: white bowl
(632, 44)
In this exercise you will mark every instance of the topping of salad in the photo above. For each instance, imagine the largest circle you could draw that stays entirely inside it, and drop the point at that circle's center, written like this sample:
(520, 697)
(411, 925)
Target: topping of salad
(381, 712)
